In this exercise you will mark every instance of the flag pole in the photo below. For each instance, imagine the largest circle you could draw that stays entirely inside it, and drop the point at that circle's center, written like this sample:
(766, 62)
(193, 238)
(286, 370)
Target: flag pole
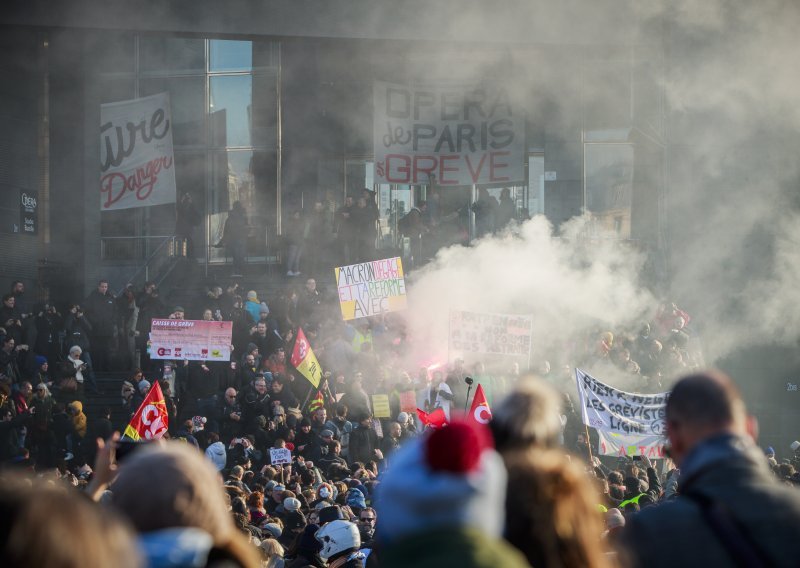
(308, 395)
(589, 445)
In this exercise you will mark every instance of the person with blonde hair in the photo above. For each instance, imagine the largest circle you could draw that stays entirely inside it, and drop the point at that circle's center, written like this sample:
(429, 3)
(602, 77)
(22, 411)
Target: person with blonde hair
(271, 554)
(551, 514)
(173, 497)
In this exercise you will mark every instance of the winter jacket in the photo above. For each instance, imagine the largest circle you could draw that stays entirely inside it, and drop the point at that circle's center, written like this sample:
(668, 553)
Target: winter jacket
(216, 453)
(363, 442)
(731, 471)
(102, 312)
(462, 547)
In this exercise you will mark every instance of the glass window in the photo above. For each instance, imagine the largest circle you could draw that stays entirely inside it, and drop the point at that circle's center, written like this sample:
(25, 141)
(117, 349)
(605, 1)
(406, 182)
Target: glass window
(187, 104)
(609, 187)
(535, 185)
(358, 176)
(228, 55)
(232, 179)
(230, 105)
(174, 55)
(265, 111)
(190, 177)
(266, 55)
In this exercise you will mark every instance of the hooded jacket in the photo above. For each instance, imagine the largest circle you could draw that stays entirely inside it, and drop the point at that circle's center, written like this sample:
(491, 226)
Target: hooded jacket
(216, 453)
(78, 418)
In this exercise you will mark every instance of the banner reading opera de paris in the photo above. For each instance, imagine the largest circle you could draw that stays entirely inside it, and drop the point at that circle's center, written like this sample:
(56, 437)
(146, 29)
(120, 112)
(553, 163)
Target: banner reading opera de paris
(453, 135)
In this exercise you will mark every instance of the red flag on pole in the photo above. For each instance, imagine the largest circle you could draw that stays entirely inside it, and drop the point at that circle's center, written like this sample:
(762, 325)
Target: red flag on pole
(435, 419)
(480, 411)
(151, 420)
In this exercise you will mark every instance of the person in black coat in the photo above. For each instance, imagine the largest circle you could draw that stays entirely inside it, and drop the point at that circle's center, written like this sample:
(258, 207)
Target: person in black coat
(101, 309)
(202, 385)
(49, 324)
(255, 401)
(363, 441)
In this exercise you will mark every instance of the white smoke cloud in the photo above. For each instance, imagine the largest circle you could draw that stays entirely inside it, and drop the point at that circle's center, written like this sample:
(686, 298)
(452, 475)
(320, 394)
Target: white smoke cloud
(568, 283)
(732, 197)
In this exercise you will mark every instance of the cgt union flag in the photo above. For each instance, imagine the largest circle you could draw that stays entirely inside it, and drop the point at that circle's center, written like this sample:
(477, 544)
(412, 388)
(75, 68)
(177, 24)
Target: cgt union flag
(304, 360)
(151, 420)
(480, 411)
(436, 419)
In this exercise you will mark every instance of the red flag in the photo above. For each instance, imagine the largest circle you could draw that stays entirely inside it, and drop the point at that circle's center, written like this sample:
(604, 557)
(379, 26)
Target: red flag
(480, 411)
(151, 420)
(435, 419)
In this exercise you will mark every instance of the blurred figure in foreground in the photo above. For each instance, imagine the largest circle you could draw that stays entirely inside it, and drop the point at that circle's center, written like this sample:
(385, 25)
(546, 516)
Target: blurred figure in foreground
(551, 511)
(442, 503)
(47, 525)
(730, 511)
(174, 499)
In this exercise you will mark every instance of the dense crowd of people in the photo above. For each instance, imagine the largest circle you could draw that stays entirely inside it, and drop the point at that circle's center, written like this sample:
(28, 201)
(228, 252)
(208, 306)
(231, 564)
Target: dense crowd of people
(362, 487)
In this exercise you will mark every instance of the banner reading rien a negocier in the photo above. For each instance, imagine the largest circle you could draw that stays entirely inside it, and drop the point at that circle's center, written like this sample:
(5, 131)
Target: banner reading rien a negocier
(453, 134)
(136, 159)
(627, 419)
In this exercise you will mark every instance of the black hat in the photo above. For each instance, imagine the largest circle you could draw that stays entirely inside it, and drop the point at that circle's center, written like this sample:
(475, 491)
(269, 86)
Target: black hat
(332, 513)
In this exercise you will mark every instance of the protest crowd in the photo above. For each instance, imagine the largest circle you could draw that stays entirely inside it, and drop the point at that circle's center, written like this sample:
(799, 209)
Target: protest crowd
(375, 464)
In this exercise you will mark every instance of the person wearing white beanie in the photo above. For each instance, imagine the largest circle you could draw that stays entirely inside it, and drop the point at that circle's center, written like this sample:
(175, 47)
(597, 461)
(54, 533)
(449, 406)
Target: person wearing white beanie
(443, 502)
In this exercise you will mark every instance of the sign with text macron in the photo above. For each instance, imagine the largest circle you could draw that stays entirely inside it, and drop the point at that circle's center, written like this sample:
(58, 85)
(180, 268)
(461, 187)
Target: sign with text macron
(371, 288)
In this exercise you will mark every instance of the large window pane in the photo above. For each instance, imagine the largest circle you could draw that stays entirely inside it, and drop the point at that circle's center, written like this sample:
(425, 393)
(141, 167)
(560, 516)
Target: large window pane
(609, 187)
(173, 55)
(265, 111)
(228, 55)
(359, 175)
(190, 178)
(230, 107)
(232, 180)
(266, 55)
(535, 185)
(187, 101)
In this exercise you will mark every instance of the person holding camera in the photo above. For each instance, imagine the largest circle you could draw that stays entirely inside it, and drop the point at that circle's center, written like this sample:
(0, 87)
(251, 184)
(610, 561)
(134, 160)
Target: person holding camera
(11, 318)
(78, 328)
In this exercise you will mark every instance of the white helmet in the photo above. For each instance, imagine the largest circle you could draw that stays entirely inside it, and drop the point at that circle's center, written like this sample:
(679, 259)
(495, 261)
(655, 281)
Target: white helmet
(338, 536)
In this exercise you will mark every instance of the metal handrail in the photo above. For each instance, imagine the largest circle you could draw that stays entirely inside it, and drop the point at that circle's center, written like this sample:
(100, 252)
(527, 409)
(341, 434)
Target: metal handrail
(166, 243)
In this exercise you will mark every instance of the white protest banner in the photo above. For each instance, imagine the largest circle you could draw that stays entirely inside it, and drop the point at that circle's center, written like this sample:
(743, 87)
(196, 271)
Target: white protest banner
(371, 288)
(455, 134)
(614, 411)
(136, 159)
(192, 340)
(616, 444)
(279, 456)
(498, 334)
